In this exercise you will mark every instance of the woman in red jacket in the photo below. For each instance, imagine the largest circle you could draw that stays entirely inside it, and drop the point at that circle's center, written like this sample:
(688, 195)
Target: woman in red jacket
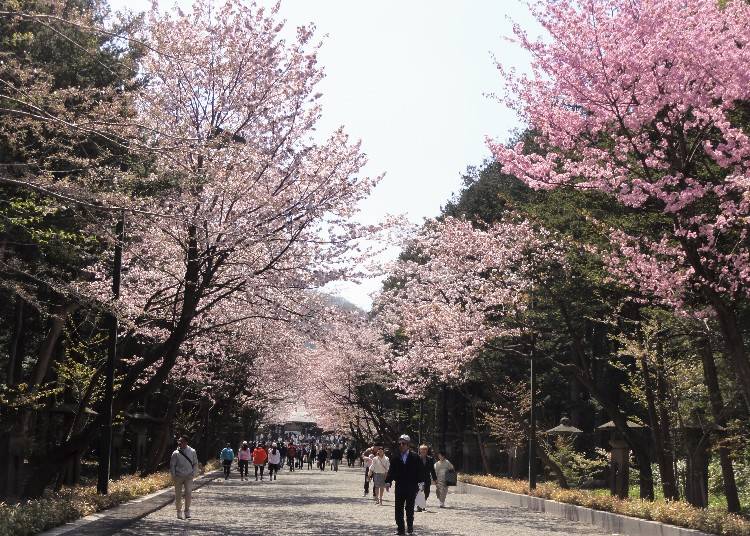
(260, 456)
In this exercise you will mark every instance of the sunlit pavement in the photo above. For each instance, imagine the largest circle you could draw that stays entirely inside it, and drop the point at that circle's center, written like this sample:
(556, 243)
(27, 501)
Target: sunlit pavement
(331, 503)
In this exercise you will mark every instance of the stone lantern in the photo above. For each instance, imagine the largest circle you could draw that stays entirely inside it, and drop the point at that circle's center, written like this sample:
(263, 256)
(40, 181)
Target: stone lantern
(565, 432)
(564, 429)
(71, 470)
(619, 459)
(139, 422)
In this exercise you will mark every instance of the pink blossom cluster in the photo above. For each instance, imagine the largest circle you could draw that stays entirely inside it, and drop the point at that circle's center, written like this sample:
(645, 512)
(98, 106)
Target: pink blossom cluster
(464, 287)
(642, 101)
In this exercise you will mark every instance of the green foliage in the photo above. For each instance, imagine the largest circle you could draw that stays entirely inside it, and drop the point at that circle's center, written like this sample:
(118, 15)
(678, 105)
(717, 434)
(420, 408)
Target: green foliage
(576, 466)
(20, 396)
(69, 504)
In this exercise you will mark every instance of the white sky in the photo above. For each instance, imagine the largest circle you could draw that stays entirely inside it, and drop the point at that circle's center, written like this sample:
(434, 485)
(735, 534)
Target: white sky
(409, 78)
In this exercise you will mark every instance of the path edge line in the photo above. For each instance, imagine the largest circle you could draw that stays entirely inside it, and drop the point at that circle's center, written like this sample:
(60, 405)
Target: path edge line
(608, 521)
(158, 503)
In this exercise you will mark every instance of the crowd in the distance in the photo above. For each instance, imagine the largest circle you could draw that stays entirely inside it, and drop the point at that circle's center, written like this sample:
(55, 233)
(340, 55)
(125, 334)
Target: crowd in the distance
(278, 455)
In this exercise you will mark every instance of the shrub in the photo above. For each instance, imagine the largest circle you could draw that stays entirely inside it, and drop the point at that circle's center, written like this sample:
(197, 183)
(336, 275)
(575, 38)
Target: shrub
(69, 504)
(679, 513)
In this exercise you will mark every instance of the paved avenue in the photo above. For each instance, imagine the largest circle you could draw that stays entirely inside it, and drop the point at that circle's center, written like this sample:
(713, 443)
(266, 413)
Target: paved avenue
(331, 504)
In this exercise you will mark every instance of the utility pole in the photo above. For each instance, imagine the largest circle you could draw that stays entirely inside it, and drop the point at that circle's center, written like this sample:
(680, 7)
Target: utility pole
(105, 445)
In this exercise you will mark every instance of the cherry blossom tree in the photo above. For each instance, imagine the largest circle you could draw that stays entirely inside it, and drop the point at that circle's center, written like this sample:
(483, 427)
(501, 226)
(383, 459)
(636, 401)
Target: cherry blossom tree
(346, 356)
(647, 102)
(259, 212)
(242, 209)
(465, 287)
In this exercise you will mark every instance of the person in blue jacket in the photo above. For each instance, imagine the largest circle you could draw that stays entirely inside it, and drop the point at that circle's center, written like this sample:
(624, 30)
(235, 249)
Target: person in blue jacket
(227, 456)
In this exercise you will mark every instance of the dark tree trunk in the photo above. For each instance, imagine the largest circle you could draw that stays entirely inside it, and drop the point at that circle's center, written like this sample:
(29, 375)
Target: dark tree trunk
(711, 379)
(728, 323)
(160, 445)
(16, 347)
(664, 454)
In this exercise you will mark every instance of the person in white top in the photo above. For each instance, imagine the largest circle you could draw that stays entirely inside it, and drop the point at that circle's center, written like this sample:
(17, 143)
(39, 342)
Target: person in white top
(183, 467)
(378, 471)
(367, 456)
(442, 466)
(274, 462)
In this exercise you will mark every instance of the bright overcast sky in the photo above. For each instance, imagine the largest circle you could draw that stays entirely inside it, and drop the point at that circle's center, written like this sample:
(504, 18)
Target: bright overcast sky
(409, 78)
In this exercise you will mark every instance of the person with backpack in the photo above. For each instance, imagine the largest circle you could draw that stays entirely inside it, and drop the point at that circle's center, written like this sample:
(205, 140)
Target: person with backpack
(260, 456)
(227, 456)
(243, 456)
(274, 462)
(446, 474)
(183, 466)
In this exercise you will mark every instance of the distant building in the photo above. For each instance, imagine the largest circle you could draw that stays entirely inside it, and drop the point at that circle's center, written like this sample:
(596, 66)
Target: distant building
(300, 422)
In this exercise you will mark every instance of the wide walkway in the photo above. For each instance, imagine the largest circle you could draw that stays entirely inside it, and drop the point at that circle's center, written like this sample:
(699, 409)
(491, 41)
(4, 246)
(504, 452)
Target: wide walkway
(331, 504)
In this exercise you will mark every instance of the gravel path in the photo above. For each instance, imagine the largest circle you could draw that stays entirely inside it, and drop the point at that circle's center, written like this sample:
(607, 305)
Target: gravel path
(331, 504)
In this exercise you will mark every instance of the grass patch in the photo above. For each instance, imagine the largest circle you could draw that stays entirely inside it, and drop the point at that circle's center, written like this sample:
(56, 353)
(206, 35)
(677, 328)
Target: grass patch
(71, 503)
(679, 513)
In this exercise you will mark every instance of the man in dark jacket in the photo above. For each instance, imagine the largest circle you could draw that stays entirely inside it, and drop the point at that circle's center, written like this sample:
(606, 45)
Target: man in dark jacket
(322, 455)
(406, 469)
(428, 471)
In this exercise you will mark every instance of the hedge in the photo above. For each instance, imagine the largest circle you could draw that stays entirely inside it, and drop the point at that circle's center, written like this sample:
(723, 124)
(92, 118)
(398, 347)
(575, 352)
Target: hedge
(72, 503)
(678, 513)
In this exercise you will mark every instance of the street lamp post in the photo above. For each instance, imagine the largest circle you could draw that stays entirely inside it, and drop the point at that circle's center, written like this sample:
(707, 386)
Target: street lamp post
(532, 420)
(105, 445)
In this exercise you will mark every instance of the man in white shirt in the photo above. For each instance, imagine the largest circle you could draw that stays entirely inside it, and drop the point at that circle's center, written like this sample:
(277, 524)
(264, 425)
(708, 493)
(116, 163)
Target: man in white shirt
(183, 466)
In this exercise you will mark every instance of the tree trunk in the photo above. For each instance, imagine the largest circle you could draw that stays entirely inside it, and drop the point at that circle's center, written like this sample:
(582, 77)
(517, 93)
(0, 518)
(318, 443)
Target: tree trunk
(727, 316)
(664, 455)
(711, 379)
(58, 319)
(16, 347)
(157, 452)
(640, 451)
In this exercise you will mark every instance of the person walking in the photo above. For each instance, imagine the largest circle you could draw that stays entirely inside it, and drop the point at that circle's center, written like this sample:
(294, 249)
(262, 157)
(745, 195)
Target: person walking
(274, 462)
(322, 455)
(243, 460)
(311, 456)
(442, 467)
(335, 458)
(300, 456)
(260, 456)
(406, 470)
(378, 471)
(428, 472)
(183, 466)
(227, 456)
(291, 455)
(367, 456)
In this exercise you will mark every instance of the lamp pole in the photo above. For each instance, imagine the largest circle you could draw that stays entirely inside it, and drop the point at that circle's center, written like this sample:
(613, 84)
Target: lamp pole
(532, 420)
(105, 445)
(532, 398)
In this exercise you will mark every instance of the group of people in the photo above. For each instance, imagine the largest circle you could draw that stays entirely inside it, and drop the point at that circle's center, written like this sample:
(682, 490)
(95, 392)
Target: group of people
(414, 473)
(275, 456)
